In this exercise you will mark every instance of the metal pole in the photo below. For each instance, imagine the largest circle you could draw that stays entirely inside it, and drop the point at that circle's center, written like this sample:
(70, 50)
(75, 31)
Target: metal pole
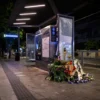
(26, 49)
(73, 40)
(82, 59)
(88, 16)
(53, 6)
(17, 56)
(18, 40)
(47, 21)
(78, 8)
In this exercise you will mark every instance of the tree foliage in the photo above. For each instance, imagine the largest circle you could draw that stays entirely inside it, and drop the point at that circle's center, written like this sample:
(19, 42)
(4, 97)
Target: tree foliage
(91, 44)
(5, 12)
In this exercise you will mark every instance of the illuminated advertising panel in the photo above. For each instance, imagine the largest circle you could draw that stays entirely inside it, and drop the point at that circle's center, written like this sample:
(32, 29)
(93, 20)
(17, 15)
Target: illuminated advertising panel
(45, 47)
(65, 38)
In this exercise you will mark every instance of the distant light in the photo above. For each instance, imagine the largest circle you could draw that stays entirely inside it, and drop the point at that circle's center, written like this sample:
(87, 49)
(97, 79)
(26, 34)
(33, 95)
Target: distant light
(21, 49)
(37, 46)
(53, 29)
(21, 19)
(19, 23)
(22, 14)
(35, 6)
(11, 36)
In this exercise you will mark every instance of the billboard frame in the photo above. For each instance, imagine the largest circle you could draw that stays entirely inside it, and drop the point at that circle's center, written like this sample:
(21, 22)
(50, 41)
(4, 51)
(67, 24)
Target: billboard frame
(73, 39)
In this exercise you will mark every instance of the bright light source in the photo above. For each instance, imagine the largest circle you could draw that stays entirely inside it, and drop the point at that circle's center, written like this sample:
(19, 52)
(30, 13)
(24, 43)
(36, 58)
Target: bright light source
(35, 6)
(22, 14)
(10, 36)
(19, 23)
(21, 19)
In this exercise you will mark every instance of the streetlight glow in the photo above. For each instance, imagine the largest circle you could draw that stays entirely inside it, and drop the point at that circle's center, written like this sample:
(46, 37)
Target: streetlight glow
(22, 14)
(19, 23)
(35, 6)
(21, 19)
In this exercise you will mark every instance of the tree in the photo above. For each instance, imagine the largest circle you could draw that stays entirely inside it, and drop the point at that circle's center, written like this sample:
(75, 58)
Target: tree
(91, 44)
(5, 11)
(4, 28)
(4, 17)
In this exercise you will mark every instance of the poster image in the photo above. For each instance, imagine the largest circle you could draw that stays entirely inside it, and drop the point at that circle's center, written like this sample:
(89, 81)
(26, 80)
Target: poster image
(45, 47)
(65, 38)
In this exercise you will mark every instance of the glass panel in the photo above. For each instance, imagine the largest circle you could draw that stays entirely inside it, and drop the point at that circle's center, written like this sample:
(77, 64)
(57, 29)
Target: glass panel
(30, 47)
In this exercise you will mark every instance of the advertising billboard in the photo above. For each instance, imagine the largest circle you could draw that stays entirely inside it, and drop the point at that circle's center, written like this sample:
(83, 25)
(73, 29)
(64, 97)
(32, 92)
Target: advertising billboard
(65, 28)
(45, 47)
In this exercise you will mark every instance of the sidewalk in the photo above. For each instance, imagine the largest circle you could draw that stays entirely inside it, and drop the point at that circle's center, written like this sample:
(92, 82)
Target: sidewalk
(34, 80)
(6, 91)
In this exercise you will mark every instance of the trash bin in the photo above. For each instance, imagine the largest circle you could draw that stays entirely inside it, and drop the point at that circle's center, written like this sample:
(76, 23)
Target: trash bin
(17, 56)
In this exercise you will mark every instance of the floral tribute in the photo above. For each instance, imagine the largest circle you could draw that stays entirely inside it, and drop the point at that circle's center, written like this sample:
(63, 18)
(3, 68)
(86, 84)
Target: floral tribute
(70, 71)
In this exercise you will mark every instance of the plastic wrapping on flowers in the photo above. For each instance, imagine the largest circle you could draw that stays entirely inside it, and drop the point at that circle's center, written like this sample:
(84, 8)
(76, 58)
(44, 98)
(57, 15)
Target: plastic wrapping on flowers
(67, 71)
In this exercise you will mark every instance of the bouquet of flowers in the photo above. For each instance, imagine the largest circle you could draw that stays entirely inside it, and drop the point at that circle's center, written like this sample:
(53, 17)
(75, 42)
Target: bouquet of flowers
(68, 71)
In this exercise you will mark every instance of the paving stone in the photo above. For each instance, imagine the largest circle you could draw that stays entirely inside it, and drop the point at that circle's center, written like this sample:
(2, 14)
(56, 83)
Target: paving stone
(43, 89)
(6, 91)
(20, 90)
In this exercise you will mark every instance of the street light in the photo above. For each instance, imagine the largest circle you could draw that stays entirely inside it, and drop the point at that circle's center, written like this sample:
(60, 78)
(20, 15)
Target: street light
(19, 23)
(32, 13)
(34, 6)
(21, 19)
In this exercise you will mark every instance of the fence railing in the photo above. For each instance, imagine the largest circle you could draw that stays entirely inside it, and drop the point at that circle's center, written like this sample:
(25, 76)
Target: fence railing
(89, 57)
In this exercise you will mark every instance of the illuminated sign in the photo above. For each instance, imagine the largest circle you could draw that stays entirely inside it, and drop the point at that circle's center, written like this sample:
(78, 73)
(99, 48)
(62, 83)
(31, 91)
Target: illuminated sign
(53, 34)
(10, 36)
